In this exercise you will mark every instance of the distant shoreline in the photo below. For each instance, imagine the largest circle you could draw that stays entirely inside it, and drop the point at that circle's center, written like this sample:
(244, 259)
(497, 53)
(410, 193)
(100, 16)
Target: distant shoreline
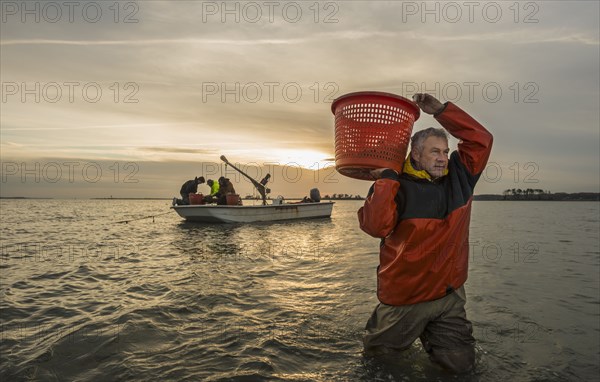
(552, 197)
(555, 197)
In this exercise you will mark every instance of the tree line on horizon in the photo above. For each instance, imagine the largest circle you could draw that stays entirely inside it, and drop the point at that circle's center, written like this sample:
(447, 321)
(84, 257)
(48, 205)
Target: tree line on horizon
(508, 194)
(529, 193)
(343, 196)
(539, 194)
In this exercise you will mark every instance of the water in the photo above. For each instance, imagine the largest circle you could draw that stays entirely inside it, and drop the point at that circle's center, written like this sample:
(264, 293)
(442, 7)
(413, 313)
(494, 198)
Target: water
(86, 298)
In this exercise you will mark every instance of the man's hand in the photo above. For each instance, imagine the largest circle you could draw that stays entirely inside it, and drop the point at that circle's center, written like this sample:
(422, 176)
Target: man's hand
(428, 103)
(376, 174)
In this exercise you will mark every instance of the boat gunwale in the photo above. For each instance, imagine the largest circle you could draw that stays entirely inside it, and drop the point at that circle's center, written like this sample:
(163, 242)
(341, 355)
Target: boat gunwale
(285, 205)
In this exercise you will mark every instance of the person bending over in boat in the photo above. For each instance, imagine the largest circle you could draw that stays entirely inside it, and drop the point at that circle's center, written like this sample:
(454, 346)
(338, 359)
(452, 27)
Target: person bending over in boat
(422, 217)
(225, 188)
(214, 190)
(189, 187)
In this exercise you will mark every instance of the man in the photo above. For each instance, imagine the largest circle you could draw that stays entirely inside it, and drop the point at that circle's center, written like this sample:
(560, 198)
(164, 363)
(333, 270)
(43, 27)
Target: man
(189, 187)
(422, 217)
(214, 187)
(214, 190)
(225, 188)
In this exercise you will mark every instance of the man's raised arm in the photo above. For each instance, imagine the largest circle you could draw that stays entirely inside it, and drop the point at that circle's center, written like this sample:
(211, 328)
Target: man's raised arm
(475, 143)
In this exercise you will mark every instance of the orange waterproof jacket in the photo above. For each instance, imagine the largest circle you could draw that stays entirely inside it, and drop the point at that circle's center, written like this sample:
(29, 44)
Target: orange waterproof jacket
(424, 224)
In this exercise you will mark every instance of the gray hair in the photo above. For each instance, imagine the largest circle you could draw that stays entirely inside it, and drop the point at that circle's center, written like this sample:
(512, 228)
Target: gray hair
(417, 140)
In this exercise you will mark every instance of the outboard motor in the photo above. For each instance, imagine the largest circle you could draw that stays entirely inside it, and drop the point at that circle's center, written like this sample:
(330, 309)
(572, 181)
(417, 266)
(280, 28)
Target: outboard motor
(315, 195)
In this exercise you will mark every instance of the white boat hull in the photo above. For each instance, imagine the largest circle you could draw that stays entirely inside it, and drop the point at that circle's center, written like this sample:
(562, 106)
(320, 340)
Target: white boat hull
(249, 214)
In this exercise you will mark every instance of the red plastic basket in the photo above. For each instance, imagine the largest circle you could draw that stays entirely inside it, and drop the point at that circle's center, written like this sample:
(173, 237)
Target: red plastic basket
(233, 199)
(372, 130)
(196, 198)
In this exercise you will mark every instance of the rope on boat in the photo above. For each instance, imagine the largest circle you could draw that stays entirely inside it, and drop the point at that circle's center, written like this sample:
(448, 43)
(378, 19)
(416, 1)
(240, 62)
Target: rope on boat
(145, 217)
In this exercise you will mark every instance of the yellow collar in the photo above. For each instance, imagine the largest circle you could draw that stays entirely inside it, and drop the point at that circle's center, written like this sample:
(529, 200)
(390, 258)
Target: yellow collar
(410, 170)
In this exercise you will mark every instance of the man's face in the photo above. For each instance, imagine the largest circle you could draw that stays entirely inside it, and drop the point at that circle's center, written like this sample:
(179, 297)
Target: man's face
(434, 157)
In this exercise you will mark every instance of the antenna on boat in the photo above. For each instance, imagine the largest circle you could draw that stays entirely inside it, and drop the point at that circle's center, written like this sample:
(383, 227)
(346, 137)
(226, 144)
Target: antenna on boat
(260, 186)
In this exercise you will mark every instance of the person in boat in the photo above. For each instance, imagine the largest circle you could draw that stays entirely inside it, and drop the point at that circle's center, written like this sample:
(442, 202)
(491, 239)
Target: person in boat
(225, 188)
(189, 187)
(422, 217)
(214, 190)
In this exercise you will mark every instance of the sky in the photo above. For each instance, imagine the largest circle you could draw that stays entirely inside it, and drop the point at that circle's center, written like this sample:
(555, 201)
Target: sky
(132, 98)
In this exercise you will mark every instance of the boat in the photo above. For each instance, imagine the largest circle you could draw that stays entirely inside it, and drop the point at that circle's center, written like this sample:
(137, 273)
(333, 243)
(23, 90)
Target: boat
(276, 211)
(207, 213)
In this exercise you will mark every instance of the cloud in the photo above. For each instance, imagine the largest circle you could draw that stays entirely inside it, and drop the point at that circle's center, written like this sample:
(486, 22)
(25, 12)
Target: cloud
(10, 144)
(521, 37)
(151, 42)
(178, 150)
(517, 36)
(68, 128)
